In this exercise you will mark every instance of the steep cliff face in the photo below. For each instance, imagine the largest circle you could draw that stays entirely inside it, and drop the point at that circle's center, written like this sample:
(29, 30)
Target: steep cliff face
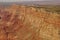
(19, 22)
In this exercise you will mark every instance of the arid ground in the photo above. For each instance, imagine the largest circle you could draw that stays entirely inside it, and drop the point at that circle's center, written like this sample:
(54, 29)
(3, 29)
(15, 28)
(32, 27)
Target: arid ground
(19, 22)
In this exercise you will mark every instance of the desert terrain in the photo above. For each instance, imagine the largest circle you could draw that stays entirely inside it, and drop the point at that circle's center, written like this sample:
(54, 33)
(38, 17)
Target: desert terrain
(20, 22)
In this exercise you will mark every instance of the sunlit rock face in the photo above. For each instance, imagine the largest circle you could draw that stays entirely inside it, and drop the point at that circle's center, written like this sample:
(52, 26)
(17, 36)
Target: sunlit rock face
(19, 22)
